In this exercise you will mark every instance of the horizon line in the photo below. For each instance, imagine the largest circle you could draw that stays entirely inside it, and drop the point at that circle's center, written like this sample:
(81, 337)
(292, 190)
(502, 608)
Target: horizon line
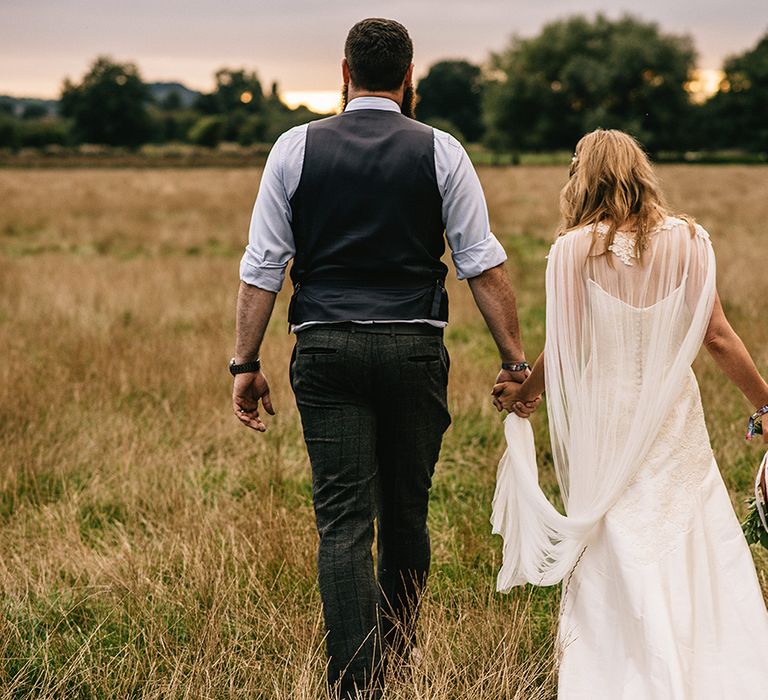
(15, 94)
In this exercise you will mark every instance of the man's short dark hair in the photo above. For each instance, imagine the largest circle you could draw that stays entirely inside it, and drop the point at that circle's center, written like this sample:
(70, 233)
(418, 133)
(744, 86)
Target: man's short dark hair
(378, 52)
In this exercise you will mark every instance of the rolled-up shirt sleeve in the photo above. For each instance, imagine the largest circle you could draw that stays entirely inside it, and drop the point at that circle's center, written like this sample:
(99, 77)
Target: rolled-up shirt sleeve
(270, 237)
(474, 248)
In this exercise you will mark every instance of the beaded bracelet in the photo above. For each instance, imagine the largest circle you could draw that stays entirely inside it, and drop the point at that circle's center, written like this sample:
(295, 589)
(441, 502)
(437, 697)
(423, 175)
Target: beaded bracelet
(753, 427)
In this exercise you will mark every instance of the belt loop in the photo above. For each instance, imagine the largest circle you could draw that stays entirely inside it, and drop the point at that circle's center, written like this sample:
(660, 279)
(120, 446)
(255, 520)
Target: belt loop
(391, 330)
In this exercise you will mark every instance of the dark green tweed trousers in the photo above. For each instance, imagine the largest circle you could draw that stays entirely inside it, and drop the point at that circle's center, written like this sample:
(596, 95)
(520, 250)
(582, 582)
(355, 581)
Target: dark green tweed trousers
(373, 409)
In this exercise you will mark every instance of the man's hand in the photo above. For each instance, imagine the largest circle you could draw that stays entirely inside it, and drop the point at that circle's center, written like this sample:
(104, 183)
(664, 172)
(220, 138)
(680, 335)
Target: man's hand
(516, 378)
(254, 307)
(248, 389)
(506, 376)
(511, 396)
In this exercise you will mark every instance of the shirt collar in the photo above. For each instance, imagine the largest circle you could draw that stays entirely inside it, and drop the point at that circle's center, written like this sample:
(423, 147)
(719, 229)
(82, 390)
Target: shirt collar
(370, 102)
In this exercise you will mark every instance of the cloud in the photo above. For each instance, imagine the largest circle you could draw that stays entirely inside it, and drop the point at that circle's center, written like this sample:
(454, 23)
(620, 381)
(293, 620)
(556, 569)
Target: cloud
(299, 42)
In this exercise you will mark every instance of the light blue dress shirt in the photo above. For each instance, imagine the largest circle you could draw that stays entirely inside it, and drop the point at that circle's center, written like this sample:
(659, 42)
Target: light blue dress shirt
(271, 247)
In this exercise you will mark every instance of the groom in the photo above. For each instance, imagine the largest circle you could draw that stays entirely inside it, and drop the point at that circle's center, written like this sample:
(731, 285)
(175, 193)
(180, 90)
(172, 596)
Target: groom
(362, 202)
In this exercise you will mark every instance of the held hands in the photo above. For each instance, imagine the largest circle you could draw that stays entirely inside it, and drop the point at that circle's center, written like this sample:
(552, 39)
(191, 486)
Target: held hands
(248, 389)
(509, 394)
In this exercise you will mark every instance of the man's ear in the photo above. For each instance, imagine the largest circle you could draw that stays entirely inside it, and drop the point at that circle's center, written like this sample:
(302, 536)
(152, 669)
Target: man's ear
(345, 71)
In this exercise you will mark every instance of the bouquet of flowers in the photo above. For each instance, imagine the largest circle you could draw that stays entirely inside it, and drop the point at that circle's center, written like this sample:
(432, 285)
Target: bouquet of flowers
(756, 524)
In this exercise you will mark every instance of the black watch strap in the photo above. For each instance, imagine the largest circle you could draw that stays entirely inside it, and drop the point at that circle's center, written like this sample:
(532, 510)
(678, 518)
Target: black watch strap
(253, 366)
(515, 366)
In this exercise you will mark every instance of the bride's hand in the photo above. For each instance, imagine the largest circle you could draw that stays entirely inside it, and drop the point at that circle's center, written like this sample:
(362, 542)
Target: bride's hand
(510, 396)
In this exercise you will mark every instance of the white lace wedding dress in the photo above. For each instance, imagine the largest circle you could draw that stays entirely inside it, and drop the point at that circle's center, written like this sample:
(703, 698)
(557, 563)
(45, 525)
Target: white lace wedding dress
(661, 600)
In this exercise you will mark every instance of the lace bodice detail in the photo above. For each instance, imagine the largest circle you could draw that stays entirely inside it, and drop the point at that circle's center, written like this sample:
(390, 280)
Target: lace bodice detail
(624, 248)
(623, 245)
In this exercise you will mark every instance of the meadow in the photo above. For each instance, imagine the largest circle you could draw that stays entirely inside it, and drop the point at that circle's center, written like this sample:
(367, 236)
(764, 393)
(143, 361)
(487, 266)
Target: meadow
(151, 547)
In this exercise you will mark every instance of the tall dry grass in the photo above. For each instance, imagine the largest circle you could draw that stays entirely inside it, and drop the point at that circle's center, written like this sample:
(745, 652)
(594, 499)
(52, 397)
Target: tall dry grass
(151, 547)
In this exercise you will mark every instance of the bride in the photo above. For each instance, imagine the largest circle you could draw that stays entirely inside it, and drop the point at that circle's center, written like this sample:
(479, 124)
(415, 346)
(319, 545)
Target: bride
(661, 600)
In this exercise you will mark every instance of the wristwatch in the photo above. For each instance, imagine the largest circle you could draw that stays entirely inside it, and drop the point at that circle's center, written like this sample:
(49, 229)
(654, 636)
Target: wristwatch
(253, 366)
(515, 366)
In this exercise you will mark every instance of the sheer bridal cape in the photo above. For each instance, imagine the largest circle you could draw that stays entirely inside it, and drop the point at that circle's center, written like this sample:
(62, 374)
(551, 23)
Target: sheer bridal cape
(661, 598)
(621, 337)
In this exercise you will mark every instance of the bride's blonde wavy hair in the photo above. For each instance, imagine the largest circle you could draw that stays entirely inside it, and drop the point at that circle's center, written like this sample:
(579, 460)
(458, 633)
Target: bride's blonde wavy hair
(612, 182)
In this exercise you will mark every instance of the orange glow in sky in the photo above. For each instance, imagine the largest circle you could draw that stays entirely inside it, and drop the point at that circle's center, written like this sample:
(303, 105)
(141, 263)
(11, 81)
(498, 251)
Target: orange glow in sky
(704, 83)
(322, 101)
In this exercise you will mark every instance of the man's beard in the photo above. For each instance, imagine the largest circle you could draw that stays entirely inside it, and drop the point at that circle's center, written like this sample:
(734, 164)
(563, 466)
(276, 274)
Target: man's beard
(408, 108)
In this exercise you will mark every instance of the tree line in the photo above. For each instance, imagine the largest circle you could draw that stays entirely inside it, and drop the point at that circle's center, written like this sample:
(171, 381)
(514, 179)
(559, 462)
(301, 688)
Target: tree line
(113, 106)
(537, 94)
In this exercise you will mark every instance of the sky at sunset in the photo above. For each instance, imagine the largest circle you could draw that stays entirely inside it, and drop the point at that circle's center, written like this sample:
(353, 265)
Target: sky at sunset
(299, 42)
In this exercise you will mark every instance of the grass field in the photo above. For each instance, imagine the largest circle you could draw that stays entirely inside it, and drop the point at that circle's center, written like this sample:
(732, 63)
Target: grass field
(151, 547)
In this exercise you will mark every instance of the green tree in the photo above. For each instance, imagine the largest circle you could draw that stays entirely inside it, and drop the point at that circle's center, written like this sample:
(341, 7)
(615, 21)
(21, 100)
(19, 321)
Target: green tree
(171, 102)
(109, 106)
(449, 127)
(34, 110)
(37, 133)
(9, 132)
(580, 74)
(251, 131)
(238, 111)
(207, 131)
(175, 125)
(276, 118)
(279, 119)
(452, 91)
(236, 90)
(735, 117)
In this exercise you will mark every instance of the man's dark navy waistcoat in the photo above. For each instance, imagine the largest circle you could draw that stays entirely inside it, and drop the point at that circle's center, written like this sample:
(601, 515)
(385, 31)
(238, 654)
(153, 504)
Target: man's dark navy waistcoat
(367, 222)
